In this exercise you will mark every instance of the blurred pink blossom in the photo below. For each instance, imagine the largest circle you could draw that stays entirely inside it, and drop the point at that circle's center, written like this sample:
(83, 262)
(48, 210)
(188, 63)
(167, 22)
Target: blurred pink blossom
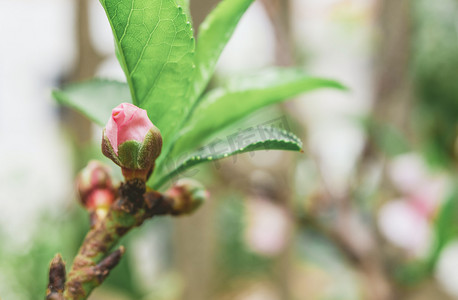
(406, 221)
(400, 223)
(424, 190)
(267, 228)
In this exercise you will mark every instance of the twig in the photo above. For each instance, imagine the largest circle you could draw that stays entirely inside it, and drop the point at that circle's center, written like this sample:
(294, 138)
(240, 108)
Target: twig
(93, 263)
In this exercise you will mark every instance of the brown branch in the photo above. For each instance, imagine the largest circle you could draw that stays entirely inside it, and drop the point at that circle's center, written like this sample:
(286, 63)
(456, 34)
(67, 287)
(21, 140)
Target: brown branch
(133, 206)
(93, 262)
(84, 279)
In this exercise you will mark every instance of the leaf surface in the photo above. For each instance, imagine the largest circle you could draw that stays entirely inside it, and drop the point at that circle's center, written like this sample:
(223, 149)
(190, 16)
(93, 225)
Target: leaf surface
(251, 139)
(94, 98)
(224, 106)
(186, 8)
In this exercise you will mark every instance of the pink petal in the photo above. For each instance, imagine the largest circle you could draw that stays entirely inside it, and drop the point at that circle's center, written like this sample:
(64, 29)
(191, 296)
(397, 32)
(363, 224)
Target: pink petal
(127, 123)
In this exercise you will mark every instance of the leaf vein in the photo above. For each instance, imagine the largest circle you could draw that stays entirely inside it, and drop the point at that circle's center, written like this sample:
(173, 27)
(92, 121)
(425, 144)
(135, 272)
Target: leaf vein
(128, 22)
(146, 44)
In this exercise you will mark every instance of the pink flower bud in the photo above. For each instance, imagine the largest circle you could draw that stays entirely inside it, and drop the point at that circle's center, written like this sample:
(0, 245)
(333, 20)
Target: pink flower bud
(132, 141)
(94, 176)
(98, 204)
(100, 198)
(96, 190)
(127, 123)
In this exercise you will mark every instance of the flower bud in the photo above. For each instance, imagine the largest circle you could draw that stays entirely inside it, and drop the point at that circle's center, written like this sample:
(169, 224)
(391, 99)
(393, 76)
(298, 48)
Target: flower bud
(187, 195)
(131, 141)
(100, 199)
(96, 190)
(57, 276)
(94, 176)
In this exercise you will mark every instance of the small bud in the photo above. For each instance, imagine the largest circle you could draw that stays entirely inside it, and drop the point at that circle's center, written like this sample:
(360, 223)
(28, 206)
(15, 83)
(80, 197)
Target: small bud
(100, 198)
(131, 141)
(56, 283)
(93, 177)
(187, 195)
(96, 189)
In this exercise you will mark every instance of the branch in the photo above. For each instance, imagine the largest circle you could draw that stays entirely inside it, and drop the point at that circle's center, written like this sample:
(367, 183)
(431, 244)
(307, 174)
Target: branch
(84, 280)
(133, 206)
(93, 263)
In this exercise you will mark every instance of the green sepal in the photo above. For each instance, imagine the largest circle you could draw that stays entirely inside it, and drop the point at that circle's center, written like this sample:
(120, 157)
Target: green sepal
(128, 154)
(135, 158)
(108, 150)
(150, 149)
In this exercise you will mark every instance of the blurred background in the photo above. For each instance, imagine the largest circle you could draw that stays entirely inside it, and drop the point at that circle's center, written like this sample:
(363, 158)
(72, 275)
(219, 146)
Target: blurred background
(368, 211)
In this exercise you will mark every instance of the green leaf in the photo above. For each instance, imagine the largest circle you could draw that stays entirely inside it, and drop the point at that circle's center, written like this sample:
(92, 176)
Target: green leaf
(186, 8)
(214, 33)
(251, 139)
(155, 47)
(241, 96)
(95, 98)
(445, 226)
